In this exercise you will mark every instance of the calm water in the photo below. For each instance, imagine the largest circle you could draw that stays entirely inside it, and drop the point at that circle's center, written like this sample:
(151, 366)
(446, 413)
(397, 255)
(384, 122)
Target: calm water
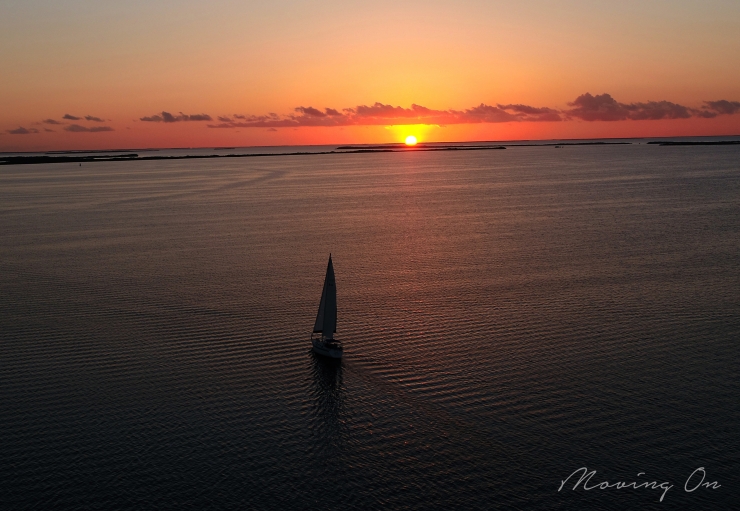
(508, 317)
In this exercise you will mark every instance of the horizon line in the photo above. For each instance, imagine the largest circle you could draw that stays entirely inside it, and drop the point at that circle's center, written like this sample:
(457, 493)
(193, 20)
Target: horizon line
(400, 144)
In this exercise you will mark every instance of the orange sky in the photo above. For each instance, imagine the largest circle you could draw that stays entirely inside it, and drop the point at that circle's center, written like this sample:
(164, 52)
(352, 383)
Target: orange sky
(121, 62)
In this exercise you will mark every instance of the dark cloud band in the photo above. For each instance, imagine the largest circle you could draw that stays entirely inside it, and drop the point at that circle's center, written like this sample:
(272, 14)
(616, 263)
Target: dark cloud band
(585, 107)
(23, 131)
(76, 128)
(605, 108)
(723, 107)
(168, 117)
(382, 114)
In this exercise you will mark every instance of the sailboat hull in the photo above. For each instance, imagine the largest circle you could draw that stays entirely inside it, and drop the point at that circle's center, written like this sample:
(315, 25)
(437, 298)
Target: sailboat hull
(321, 348)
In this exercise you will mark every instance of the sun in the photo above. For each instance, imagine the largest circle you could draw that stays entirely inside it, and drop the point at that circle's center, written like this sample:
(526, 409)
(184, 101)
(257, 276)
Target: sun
(411, 140)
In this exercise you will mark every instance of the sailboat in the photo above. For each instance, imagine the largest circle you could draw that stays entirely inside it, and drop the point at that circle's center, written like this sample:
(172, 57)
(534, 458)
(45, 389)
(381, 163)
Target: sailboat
(326, 320)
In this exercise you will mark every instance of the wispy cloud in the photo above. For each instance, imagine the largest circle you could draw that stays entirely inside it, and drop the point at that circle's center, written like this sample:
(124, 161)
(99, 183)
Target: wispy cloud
(23, 131)
(71, 117)
(51, 121)
(168, 117)
(93, 118)
(76, 128)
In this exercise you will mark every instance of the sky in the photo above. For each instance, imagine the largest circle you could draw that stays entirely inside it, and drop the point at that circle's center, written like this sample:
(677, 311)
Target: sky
(84, 74)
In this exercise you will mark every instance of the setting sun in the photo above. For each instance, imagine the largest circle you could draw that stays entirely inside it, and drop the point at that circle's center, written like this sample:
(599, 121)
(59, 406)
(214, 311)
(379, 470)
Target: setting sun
(411, 140)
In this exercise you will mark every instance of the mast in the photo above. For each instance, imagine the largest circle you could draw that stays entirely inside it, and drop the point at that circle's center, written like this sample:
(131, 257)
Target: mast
(326, 319)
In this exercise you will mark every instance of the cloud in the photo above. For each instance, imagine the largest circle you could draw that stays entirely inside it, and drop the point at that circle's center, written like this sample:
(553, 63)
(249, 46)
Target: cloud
(586, 107)
(723, 107)
(487, 114)
(271, 129)
(168, 117)
(541, 114)
(382, 114)
(93, 118)
(313, 112)
(381, 111)
(310, 111)
(154, 118)
(707, 114)
(76, 128)
(655, 110)
(597, 108)
(23, 131)
(51, 121)
(605, 108)
(71, 117)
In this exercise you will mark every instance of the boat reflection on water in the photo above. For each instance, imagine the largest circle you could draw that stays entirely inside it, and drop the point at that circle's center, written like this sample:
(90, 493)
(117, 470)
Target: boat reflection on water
(327, 400)
(327, 383)
(328, 447)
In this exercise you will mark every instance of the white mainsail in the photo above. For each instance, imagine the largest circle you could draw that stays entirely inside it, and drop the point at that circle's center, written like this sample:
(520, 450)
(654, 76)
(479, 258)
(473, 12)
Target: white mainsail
(326, 319)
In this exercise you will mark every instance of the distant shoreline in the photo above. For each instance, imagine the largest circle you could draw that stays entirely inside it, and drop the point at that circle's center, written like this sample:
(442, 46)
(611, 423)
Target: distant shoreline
(35, 160)
(112, 155)
(422, 146)
(687, 142)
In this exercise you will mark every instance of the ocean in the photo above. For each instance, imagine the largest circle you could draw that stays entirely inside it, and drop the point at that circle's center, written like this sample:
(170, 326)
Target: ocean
(509, 317)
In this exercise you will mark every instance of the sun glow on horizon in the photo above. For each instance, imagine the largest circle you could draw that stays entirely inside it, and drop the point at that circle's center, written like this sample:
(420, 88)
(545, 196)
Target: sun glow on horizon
(411, 140)
(403, 133)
